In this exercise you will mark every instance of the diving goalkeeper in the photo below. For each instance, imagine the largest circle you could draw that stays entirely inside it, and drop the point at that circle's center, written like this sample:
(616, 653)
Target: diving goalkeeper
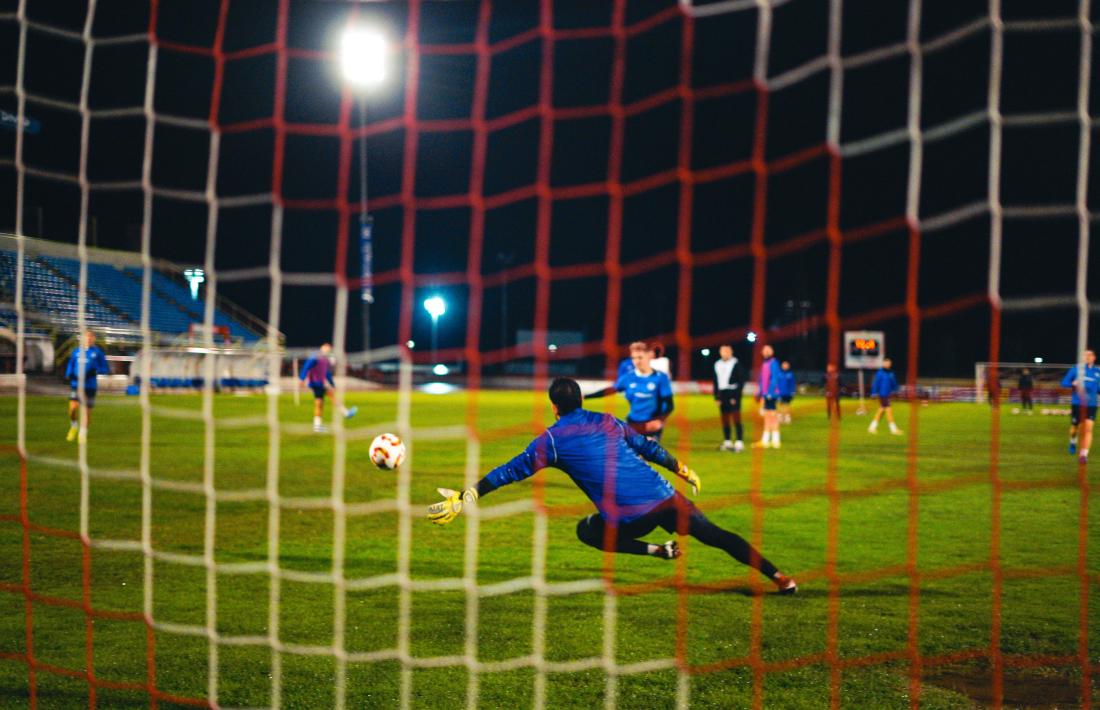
(604, 456)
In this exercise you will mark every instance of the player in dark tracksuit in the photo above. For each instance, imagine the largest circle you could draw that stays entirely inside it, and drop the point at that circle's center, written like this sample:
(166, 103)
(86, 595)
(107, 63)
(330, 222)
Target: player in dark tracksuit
(1026, 385)
(729, 385)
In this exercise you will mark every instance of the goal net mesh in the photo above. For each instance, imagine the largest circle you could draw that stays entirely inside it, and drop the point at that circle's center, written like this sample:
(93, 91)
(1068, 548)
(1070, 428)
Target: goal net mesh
(799, 193)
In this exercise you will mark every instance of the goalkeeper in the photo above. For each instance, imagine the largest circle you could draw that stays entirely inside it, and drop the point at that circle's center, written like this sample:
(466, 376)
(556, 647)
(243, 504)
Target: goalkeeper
(604, 456)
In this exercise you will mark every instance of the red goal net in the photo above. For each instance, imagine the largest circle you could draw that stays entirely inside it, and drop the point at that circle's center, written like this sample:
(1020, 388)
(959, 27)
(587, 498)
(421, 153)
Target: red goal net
(811, 167)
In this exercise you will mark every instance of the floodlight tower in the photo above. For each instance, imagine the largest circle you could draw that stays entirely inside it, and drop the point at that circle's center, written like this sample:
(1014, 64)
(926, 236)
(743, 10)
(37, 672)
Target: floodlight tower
(364, 54)
(435, 306)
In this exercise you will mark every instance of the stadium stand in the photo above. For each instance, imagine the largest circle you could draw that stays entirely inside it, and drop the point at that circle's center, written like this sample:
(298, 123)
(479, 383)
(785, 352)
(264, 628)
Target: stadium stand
(51, 293)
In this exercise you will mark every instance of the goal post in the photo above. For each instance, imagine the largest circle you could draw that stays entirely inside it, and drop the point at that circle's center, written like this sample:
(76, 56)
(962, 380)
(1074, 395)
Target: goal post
(1047, 377)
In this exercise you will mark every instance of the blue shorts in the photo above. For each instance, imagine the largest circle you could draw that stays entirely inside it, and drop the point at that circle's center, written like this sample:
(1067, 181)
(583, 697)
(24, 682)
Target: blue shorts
(770, 404)
(786, 399)
(89, 396)
(318, 390)
(884, 402)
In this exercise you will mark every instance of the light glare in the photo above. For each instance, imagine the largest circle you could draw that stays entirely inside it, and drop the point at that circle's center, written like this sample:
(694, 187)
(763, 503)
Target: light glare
(435, 306)
(705, 352)
(751, 337)
(363, 54)
(440, 369)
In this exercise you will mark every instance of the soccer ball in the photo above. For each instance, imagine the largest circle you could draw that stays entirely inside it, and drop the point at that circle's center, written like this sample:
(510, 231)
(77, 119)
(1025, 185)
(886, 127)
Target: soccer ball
(387, 451)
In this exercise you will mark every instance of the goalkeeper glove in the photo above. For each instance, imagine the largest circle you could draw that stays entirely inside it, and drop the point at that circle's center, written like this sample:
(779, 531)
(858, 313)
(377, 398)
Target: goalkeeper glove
(691, 477)
(453, 501)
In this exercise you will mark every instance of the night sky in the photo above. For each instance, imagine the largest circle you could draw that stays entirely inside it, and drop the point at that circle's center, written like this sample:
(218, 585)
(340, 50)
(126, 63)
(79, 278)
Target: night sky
(1039, 167)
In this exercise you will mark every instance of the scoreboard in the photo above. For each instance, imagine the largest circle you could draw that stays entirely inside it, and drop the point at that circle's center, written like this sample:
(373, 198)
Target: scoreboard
(864, 349)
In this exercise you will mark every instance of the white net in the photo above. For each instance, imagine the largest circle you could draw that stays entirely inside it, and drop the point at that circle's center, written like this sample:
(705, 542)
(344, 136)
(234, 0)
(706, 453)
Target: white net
(209, 365)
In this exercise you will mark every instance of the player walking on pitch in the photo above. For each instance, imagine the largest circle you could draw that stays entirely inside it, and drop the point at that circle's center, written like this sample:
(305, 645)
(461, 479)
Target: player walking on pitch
(317, 373)
(89, 360)
(768, 392)
(648, 391)
(1085, 381)
(884, 386)
(603, 456)
(729, 383)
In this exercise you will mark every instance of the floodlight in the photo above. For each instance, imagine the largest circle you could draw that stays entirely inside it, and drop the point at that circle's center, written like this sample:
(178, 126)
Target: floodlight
(552, 347)
(410, 344)
(435, 306)
(440, 369)
(705, 352)
(751, 337)
(1038, 360)
(363, 55)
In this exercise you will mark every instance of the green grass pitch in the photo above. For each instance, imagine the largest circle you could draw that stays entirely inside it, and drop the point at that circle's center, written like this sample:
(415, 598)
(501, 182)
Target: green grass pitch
(1040, 614)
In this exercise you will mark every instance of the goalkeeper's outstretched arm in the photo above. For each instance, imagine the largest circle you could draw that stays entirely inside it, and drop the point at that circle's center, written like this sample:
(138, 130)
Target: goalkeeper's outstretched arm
(653, 452)
(539, 454)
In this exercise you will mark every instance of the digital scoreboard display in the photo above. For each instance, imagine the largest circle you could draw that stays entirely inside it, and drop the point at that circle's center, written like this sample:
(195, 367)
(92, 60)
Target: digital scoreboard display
(864, 349)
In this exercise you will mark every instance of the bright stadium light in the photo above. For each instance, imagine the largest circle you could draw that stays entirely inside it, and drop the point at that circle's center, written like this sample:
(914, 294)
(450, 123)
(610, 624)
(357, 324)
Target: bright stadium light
(552, 347)
(435, 306)
(363, 54)
(194, 278)
(1038, 360)
(410, 344)
(440, 369)
(751, 337)
(705, 352)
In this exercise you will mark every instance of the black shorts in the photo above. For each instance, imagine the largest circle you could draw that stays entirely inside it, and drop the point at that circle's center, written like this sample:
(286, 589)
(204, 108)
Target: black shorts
(1075, 414)
(729, 401)
(770, 404)
(89, 397)
(884, 402)
(786, 399)
(318, 391)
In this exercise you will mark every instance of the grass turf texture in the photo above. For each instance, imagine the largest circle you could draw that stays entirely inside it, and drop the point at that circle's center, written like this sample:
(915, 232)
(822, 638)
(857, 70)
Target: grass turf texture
(1040, 528)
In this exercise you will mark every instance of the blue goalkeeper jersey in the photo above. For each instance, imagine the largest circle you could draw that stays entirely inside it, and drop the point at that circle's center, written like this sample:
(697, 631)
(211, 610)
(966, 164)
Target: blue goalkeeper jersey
(1089, 384)
(604, 457)
(650, 396)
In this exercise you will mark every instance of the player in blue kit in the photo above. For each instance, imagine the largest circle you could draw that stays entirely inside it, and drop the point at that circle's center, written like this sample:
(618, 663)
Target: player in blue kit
(604, 457)
(884, 386)
(648, 391)
(317, 373)
(1085, 381)
(767, 393)
(787, 387)
(90, 360)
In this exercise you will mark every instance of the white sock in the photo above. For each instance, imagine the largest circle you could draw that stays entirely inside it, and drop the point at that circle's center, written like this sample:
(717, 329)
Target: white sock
(775, 437)
(874, 425)
(317, 421)
(1084, 452)
(893, 426)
